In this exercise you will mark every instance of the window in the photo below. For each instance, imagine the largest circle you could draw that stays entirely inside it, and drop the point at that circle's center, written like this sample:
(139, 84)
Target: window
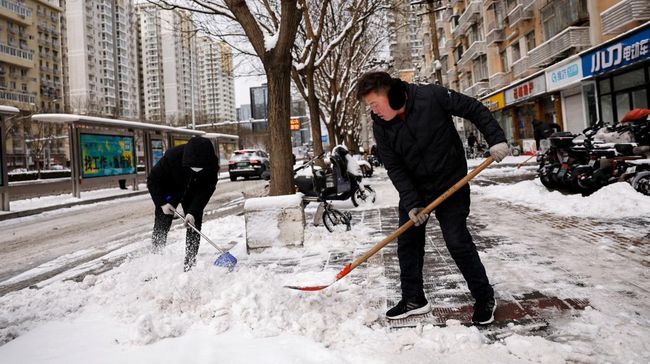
(530, 41)
(505, 66)
(516, 53)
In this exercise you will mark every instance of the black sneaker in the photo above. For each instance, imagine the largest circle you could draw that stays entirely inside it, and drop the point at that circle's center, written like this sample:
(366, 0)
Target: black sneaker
(484, 311)
(406, 308)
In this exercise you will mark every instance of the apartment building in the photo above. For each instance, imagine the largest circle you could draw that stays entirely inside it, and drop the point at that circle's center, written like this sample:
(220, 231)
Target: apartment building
(102, 58)
(31, 74)
(216, 79)
(525, 59)
(30, 55)
(169, 65)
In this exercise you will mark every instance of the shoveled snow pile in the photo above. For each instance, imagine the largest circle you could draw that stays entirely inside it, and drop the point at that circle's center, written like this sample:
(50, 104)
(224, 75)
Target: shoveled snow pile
(613, 201)
(148, 310)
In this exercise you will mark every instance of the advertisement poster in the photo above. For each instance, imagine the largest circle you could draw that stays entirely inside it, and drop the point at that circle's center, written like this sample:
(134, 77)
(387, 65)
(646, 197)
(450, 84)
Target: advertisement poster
(157, 151)
(106, 155)
(178, 142)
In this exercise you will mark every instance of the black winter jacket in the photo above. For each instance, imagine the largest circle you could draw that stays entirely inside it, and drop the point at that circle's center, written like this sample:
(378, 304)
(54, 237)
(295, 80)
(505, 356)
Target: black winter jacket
(172, 181)
(423, 154)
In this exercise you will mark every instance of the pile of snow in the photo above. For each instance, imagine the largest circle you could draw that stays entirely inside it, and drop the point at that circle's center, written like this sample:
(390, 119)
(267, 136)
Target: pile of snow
(148, 310)
(617, 200)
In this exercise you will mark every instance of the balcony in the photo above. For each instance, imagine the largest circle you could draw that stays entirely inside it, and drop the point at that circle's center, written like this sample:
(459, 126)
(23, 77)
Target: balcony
(16, 11)
(520, 67)
(476, 49)
(471, 14)
(495, 35)
(477, 89)
(519, 14)
(15, 55)
(499, 80)
(616, 18)
(571, 38)
(528, 4)
(18, 97)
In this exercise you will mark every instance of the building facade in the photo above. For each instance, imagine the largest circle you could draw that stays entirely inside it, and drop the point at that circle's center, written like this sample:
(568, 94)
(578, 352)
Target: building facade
(168, 62)
(216, 80)
(102, 58)
(31, 79)
(521, 57)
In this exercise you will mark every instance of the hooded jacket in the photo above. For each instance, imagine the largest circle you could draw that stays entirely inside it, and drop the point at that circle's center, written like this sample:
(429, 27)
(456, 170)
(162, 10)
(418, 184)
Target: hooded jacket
(173, 181)
(423, 154)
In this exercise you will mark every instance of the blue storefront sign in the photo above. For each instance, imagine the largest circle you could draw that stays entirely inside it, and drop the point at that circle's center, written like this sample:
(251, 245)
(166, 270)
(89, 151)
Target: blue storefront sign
(625, 51)
(564, 75)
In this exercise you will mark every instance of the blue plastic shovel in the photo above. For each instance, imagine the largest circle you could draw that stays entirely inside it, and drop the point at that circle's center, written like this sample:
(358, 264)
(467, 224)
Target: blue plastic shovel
(225, 259)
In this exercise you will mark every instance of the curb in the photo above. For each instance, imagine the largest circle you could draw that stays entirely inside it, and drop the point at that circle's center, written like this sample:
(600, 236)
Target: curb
(16, 214)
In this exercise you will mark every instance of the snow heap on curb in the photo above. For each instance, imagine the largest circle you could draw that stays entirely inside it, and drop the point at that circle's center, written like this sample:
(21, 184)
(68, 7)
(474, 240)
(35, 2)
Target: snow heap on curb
(617, 200)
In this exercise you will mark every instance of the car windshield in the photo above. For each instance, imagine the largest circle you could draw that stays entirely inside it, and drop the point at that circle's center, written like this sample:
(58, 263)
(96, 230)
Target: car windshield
(241, 156)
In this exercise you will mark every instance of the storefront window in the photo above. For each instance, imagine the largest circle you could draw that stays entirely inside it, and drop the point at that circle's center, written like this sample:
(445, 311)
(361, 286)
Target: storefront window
(607, 114)
(629, 80)
(622, 105)
(589, 92)
(604, 86)
(640, 99)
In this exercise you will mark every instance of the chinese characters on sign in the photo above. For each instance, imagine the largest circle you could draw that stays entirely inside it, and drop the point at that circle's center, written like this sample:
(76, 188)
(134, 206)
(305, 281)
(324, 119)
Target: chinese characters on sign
(106, 155)
(629, 50)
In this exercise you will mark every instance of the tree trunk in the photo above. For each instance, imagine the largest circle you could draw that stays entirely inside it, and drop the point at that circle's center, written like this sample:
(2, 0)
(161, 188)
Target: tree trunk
(314, 115)
(279, 108)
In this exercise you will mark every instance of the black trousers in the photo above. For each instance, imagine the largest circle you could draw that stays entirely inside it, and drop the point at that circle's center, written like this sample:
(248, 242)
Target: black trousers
(161, 226)
(452, 216)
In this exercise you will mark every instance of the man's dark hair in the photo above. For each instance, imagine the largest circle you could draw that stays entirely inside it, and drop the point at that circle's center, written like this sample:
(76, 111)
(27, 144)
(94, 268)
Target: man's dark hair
(373, 82)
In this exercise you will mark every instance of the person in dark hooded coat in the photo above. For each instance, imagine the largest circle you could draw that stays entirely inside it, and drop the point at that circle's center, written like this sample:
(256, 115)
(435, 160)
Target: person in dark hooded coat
(185, 175)
(423, 155)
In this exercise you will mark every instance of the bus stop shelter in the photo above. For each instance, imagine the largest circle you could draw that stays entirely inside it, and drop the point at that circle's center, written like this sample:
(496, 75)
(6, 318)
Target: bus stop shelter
(5, 112)
(103, 149)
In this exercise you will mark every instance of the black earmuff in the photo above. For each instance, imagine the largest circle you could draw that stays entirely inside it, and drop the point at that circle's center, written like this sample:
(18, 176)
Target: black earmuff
(396, 94)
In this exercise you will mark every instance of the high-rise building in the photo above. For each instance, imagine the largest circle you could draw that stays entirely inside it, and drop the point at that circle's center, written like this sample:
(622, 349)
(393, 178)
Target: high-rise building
(217, 83)
(30, 55)
(102, 58)
(169, 58)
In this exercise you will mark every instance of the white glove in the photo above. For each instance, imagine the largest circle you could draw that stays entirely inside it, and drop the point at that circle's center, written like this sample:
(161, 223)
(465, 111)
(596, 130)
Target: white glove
(167, 209)
(499, 151)
(418, 220)
(189, 220)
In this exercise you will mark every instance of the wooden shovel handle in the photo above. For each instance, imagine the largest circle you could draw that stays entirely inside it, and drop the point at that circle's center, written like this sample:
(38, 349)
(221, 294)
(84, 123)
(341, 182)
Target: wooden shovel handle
(426, 210)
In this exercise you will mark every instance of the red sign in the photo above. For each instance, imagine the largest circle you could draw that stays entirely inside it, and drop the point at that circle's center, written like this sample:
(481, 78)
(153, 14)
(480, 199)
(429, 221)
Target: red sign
(523, 90)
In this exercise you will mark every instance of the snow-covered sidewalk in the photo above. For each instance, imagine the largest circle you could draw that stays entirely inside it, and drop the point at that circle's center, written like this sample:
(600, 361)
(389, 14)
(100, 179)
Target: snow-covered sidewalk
(148, 310)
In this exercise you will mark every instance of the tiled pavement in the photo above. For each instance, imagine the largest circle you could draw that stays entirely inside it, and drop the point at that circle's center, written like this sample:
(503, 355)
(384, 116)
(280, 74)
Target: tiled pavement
(545, 289)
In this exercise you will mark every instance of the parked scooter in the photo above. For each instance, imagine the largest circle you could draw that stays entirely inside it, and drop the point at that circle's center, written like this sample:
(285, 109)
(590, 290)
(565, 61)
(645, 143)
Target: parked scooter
(600, 156)
(342, 183)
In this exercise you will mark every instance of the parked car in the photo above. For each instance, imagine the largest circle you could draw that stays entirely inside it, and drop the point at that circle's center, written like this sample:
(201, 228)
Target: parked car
(249, 163)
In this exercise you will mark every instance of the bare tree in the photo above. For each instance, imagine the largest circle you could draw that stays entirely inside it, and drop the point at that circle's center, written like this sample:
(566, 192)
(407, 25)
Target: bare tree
(337, 77)
(327, 27)
(270, 27)
(86, 105)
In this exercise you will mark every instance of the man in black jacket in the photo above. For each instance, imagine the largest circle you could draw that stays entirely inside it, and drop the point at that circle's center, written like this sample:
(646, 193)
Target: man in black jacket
(424, 156)
(188, 175)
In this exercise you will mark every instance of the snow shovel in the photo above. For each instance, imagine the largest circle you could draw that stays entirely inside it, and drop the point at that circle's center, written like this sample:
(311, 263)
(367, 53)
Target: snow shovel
(349, 267)
(225, 259)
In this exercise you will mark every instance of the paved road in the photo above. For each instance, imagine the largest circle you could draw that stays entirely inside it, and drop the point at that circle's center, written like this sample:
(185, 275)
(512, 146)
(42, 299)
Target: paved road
(94, 230)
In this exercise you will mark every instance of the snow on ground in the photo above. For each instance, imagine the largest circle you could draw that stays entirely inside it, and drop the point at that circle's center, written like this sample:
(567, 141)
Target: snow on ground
(613, 201)
(148, 310)
(507, 160)
(45, 201)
